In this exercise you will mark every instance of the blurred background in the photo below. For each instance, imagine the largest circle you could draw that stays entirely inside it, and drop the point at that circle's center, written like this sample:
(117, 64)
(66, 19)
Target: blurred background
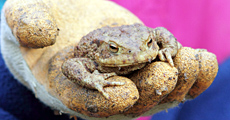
(1, 3)
(197, 24)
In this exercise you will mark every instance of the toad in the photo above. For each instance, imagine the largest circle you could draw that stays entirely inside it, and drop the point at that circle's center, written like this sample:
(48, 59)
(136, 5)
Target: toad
(110, 51)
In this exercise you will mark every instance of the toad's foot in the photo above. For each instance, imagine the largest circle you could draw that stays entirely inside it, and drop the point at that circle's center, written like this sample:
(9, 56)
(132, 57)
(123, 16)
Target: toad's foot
(98, 81)
(164, 54)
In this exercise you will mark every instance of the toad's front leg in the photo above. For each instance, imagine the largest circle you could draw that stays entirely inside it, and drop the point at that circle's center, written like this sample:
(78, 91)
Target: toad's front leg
(83, 72)
(167, 43)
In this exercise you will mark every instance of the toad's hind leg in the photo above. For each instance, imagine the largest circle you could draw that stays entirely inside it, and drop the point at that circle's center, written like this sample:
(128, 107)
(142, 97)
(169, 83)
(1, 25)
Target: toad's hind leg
(167, 42)
(79, 71)
(165, 55)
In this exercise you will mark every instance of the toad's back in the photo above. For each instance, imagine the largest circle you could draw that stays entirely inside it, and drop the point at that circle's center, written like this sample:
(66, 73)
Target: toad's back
(127, 36)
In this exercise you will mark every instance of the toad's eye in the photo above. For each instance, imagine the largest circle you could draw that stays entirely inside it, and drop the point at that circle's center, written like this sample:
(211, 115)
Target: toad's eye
(150, 42)
(113, 48)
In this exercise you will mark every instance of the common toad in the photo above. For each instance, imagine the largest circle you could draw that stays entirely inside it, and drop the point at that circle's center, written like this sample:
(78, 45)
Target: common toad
(111, 51)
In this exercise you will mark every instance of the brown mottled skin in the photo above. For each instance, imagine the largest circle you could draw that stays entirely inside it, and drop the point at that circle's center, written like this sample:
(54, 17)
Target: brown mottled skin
(110, 51)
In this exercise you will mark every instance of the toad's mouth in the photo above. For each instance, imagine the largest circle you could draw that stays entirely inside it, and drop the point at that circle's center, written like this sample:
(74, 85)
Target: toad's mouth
(128, 59)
